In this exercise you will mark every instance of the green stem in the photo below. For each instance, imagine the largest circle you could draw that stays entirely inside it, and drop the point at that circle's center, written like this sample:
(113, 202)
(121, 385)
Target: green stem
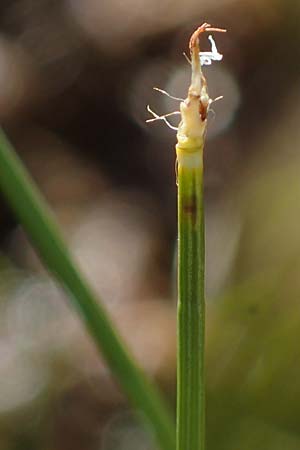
(191, 308)
(30, 208)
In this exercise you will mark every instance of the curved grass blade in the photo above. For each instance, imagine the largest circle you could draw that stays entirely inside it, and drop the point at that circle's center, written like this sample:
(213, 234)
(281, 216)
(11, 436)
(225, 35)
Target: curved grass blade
(31, 210)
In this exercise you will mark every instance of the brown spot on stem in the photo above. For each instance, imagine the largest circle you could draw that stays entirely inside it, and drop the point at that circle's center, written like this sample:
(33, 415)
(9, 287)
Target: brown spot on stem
(189, 208)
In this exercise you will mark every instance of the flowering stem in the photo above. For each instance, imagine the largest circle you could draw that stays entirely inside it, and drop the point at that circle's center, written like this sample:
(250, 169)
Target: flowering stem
(191, 260)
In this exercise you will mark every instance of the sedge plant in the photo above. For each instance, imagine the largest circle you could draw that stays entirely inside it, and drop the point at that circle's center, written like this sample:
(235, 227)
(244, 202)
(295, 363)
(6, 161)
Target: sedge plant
(191, 132)
(191, 256)
(191, 253)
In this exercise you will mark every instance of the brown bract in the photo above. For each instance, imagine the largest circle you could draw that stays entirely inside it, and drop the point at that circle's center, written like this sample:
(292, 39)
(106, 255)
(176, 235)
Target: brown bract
(194, 40)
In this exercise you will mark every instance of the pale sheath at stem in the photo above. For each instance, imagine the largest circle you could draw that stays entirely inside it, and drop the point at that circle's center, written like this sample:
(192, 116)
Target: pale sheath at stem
(191, 303)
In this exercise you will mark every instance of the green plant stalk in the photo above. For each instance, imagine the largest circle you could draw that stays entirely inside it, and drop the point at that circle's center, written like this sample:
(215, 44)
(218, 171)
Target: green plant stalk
(191, 310)
(31, 210)
(190, 433)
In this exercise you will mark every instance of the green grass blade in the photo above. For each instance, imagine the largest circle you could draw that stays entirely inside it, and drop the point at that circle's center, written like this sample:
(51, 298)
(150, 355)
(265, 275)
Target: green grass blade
(31, 210)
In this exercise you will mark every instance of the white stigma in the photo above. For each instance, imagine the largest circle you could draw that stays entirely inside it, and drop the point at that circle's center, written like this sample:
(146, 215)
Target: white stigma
(206, 58)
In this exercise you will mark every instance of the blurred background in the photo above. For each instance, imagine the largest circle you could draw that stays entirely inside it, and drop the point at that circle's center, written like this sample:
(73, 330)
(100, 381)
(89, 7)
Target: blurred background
(75, 79)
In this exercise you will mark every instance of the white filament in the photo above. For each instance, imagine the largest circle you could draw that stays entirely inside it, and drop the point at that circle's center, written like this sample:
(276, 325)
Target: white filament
(164, 117)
